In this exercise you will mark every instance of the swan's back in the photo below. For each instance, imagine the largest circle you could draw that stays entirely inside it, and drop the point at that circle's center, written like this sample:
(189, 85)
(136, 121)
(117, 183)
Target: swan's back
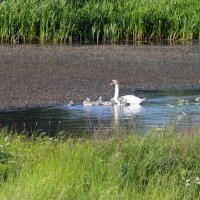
(131, 99)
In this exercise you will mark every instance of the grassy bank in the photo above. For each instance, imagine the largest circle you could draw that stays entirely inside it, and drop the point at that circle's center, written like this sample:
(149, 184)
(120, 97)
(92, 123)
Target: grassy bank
(156, 166)
(97, 21)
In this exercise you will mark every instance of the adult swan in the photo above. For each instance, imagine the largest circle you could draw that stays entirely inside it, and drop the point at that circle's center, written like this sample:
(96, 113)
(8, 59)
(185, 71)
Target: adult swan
(127, 99)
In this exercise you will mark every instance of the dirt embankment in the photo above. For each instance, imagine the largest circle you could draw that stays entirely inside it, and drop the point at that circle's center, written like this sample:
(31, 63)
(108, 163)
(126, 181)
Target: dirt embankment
(33, 75)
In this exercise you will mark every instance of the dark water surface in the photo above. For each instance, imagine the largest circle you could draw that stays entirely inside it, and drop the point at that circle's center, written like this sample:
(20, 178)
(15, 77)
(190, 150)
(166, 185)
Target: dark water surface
(160, 108)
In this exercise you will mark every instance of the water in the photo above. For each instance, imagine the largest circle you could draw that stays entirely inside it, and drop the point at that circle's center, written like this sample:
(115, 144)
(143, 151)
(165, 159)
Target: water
(160, 108)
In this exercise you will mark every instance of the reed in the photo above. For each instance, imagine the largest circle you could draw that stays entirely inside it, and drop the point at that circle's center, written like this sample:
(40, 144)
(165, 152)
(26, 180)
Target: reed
(105, 21)
(161, 165)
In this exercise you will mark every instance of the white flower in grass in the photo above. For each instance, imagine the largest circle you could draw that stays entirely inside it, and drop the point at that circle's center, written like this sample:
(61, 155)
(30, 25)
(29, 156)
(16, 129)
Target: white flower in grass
(197, 99)
(170, 106)
(179, 117)
(197, 181)
(187, 183)
(182, 102)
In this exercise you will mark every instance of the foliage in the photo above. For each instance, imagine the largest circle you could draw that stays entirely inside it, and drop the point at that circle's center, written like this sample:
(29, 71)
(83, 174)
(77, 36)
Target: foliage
(161, 165)
(69, 21)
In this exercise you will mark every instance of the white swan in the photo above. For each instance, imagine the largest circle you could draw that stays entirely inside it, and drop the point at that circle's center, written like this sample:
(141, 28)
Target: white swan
(98, 102)
(87, 102)
(71, 103)
(127, 99)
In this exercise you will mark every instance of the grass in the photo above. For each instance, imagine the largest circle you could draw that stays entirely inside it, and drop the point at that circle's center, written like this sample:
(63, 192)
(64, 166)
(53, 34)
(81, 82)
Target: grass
(98, 21)
(161, 165)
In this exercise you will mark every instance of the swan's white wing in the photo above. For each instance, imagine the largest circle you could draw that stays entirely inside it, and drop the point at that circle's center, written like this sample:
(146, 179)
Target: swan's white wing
(131, 99)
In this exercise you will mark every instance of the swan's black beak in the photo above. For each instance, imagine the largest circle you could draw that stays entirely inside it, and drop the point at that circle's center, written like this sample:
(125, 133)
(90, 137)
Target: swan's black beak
(112, 83)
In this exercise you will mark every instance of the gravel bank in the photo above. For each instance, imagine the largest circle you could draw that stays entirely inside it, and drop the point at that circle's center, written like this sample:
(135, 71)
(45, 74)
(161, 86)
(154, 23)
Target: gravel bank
(33, 75)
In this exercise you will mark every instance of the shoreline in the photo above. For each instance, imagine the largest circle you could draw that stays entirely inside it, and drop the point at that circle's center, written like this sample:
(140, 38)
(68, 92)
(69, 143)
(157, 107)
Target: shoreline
(36, 76)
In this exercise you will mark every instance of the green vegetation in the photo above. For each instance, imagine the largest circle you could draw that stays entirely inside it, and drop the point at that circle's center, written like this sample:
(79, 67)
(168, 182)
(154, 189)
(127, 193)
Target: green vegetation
(106, 21)
(161, 165)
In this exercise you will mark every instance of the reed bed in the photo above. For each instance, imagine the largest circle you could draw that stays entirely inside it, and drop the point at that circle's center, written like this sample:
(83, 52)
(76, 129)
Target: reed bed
(98, 21)
(161, 165)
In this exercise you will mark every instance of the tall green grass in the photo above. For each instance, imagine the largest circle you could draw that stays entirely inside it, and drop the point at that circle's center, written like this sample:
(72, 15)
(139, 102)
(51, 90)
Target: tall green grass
(161, 165)
(105, 21)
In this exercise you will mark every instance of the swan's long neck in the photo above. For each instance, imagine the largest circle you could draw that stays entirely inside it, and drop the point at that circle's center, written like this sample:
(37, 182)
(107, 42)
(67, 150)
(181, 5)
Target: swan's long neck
(116, 95)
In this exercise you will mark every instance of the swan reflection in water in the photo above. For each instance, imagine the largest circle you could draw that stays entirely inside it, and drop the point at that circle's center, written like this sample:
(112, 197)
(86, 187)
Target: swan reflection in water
(115, 113)
(126, 112)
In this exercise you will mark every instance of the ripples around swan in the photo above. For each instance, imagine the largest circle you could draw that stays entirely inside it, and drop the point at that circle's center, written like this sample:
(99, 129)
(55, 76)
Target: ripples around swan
(180, 107)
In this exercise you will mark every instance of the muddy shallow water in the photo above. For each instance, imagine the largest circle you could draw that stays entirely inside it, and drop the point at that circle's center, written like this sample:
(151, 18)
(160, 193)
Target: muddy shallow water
(181, 108)
(36, 76)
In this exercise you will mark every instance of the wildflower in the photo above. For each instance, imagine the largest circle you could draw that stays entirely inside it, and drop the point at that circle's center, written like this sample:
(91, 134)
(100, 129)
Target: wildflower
(179, 117)
(181, 102)
(169, 105)
(197, 179)
(197, 99)
(159, 129)
(43, 133)
(187, 184)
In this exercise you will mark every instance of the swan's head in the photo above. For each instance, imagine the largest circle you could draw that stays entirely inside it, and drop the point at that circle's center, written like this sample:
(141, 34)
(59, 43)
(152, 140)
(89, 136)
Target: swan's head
(114, 82)
(88, 99)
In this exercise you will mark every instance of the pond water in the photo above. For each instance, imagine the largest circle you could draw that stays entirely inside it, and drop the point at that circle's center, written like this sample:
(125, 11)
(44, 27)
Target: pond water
(180, 107)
